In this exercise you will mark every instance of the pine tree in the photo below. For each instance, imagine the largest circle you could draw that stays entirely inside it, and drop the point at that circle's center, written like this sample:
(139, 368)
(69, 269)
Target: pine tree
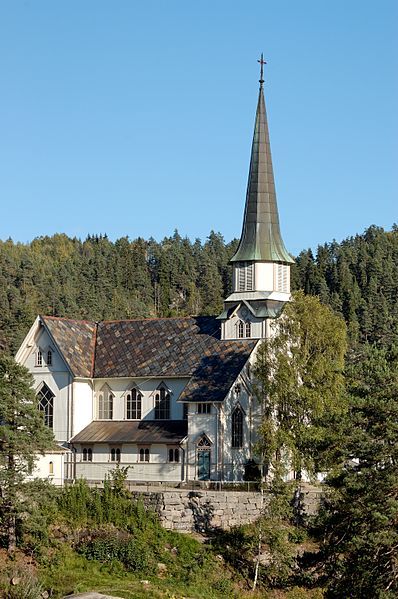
(23, 435)
(359, 526)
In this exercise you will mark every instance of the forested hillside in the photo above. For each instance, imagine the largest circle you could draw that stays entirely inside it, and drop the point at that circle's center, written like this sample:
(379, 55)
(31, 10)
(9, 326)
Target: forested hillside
(358, 278)
(100, 279)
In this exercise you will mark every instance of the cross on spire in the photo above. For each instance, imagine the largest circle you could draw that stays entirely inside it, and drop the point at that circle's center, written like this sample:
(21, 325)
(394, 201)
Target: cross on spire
(262, 63)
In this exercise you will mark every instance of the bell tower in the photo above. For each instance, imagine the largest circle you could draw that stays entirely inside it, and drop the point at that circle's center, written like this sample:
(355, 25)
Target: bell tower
(261, 264)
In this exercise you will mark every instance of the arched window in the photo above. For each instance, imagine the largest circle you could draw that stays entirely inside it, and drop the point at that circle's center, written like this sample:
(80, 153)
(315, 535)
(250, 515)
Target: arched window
(46, 404)
(174, 454)
(105, 404)
(51, 468)
(203, 443)
(240, 330)
(248, 329)
(39, 358)
(49, 357)
(144, 454)
(237, 428)
(133, 405)
(115, 454)
(203, 457)
(162, 404)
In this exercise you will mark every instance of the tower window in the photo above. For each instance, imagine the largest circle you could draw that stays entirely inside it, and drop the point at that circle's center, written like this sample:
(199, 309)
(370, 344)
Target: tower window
(162, 405)
(244, 274)
(46, 404)
(248, 329)
(134, 405)
(282, 278)
(237, 428)
(49, 358)
(240, 329)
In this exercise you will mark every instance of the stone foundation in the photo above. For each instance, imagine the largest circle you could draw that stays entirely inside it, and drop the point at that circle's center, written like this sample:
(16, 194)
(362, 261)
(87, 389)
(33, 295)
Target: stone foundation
(202, 510)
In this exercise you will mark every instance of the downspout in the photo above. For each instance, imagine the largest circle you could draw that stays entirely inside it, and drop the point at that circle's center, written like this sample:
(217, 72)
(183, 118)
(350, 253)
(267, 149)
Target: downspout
(217, 437)
(250, 427)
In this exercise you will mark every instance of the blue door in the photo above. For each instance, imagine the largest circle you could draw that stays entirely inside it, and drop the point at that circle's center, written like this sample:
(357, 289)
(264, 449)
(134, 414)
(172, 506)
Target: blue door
(204, 465)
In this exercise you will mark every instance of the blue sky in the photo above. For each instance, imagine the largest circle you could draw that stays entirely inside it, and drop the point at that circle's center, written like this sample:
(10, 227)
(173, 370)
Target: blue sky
(135, 118)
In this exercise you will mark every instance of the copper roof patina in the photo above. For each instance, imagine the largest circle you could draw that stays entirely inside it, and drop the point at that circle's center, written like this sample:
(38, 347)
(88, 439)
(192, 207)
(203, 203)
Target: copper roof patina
(143, 431)
(261, 237)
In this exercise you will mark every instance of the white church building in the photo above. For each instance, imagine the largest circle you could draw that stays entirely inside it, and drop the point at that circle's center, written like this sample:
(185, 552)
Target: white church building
(170, 398)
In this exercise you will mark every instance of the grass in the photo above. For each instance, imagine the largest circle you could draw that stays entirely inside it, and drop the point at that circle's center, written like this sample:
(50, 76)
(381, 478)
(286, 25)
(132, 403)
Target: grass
(67, 572)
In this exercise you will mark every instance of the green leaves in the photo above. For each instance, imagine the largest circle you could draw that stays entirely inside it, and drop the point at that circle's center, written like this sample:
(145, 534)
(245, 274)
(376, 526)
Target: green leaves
(300, 371)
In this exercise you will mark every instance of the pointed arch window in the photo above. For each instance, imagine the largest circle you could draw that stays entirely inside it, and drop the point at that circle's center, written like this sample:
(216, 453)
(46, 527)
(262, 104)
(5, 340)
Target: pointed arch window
(248, 329)
(49, 357)
(144, 454)
(105, 404)
(46, 404)
(115, 454)
(240, 329)
(39, 358)
(203, 443)
(162, 404)
(134, 405)
(237, 428)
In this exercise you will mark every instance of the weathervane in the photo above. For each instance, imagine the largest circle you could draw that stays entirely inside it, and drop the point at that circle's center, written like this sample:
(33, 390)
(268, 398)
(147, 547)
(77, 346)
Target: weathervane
(262, 63)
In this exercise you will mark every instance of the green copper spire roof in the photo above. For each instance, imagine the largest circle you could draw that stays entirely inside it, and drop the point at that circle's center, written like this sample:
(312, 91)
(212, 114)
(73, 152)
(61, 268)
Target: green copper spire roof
(261, 237)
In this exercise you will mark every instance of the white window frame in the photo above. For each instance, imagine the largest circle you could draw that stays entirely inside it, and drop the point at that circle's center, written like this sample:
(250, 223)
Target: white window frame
(39, 358)
(106, 397)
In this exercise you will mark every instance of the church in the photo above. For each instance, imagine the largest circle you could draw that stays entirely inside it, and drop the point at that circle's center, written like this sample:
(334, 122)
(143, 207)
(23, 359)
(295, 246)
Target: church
(171, 399)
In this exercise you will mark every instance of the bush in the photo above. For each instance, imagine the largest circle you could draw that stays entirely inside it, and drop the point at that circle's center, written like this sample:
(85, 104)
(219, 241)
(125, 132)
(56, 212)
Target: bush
(112, 545)
(27, 587)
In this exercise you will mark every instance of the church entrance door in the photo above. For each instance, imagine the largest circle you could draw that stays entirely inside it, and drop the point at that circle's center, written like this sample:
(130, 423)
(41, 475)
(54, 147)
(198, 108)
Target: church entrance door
(203, 465)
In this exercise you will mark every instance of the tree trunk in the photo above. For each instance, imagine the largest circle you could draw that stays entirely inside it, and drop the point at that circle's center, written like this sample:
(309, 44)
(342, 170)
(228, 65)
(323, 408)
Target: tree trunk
(11, 533)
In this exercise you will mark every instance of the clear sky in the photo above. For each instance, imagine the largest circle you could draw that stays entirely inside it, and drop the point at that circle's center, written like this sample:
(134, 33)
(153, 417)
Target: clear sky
(135, 118)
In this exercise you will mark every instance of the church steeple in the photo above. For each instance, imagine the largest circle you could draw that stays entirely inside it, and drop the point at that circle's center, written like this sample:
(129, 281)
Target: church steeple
(261, 264)
(261, 237)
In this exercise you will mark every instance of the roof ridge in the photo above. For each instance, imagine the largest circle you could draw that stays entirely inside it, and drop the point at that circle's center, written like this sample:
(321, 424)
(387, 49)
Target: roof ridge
(154, 318)
(68, 318)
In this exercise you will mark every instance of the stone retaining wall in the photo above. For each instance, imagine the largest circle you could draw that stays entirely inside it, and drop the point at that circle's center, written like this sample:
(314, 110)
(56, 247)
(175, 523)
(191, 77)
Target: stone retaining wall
(202, 510)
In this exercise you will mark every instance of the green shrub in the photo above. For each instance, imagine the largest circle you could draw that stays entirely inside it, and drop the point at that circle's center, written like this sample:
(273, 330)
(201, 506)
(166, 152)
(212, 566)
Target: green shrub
(27, 587)
(112, 545)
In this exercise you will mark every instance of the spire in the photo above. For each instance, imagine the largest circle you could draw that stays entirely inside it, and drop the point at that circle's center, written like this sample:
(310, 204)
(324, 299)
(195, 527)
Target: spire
(261, 237)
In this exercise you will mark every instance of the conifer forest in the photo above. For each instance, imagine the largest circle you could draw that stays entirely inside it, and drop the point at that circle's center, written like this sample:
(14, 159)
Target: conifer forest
(98, 279)
(79, 539)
